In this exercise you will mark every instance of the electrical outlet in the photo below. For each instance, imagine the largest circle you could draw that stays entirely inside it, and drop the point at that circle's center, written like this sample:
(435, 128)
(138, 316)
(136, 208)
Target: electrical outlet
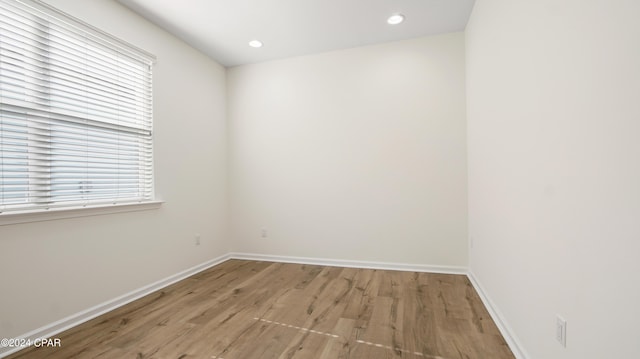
(197, 237)
(263, 233)
(561, 331)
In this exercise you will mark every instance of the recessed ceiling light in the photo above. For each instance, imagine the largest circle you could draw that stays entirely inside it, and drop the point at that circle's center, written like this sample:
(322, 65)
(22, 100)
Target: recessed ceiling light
(255, 43)
(395, 19)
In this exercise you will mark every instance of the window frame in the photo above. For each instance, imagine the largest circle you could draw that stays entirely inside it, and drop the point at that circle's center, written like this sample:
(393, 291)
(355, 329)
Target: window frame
(89, 208)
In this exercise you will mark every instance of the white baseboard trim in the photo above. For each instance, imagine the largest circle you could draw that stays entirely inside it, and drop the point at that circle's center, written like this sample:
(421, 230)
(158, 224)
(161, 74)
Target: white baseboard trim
(506, 331)
(50, 330)
(352, 264)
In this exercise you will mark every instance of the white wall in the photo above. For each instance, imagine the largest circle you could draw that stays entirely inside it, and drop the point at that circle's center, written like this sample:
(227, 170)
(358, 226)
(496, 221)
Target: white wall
(357, 154)
(54, 269)
(554, 170)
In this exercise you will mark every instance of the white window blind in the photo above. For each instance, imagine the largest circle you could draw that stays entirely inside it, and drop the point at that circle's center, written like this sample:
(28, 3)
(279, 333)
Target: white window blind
(75, 113)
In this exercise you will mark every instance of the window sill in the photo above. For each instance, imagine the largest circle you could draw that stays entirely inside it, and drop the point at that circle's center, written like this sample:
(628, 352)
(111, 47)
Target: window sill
(62, 213)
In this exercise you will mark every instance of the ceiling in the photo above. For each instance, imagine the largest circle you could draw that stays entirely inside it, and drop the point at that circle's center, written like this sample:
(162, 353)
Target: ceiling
(223, 28)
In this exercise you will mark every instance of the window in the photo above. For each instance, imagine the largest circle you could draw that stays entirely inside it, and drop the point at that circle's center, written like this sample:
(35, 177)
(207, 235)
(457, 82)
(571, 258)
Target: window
(75, 113)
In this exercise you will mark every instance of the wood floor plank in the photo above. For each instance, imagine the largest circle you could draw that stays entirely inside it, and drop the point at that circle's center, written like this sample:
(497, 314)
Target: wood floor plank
(340, 347)
(248, 309)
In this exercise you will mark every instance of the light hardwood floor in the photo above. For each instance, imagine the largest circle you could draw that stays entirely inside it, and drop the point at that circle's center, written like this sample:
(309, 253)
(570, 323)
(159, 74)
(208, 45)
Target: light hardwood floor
(248, 309)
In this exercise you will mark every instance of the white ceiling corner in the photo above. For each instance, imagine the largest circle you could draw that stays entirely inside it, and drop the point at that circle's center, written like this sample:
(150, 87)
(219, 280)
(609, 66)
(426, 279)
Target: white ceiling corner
(223, 28)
